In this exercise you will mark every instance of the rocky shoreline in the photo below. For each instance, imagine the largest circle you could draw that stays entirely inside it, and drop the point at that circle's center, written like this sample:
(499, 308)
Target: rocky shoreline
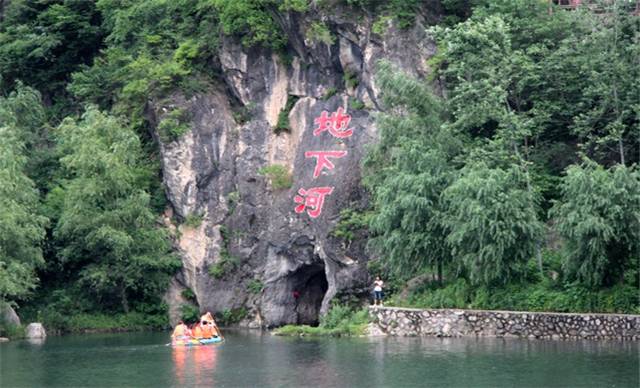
(395, 321)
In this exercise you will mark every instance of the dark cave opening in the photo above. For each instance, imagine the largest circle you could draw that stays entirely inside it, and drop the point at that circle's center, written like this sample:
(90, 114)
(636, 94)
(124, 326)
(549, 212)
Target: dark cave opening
(309, 285)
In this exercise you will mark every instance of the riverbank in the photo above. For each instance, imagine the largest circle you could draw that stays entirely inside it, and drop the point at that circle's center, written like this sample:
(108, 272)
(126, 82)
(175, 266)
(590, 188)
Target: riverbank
(57, 324)
(397, 321)
(340, 321)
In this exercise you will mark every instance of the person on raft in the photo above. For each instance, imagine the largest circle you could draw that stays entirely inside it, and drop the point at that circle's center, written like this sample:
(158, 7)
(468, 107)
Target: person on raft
(209, 326)
(205, 329)
(181, 332)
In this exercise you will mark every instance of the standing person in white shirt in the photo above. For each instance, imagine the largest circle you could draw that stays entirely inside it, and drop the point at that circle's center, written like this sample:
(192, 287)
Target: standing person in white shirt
(377, 291)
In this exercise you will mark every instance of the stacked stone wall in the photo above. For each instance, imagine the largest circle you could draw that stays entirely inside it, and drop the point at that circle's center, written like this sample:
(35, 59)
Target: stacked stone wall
(482, 323)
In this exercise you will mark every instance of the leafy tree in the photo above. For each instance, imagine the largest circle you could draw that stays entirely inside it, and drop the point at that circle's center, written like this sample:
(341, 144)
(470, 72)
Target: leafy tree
(406, 173)
(492, 227)
(43, 42)
(257, 21)
(598, 215)
(107, 232)
(21, 225)
(609, 120)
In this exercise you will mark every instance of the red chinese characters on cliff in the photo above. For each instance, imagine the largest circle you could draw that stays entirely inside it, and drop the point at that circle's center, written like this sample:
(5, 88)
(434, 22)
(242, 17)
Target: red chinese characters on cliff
(337, 124)
(311, 200)
(322, 160)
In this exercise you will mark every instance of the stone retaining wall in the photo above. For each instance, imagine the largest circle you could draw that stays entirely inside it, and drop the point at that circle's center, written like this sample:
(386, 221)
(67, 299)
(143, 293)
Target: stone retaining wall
(458, 323)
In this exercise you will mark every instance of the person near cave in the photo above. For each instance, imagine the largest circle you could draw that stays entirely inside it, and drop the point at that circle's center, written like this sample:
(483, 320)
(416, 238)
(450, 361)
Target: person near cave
(296, 297)
(377, 292)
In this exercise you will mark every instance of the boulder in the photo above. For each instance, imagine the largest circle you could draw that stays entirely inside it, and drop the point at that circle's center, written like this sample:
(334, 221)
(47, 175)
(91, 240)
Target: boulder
(35, 331)
(8, 315)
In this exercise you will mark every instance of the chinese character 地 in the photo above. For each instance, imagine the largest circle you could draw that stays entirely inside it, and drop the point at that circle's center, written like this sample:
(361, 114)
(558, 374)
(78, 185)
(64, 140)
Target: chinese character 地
(322, 160)
(311, 200)
(337, 124)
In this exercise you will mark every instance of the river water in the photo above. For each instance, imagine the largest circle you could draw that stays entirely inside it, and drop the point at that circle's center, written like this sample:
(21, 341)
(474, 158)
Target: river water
(251, 358)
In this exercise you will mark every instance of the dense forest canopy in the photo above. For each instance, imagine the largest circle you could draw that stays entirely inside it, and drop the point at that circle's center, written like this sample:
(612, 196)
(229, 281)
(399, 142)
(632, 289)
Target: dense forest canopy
(514, 186)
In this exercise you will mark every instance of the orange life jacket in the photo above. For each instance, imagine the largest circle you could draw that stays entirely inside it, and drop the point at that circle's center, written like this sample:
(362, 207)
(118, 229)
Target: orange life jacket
(180, 330)
(197, 332)
(206, 331)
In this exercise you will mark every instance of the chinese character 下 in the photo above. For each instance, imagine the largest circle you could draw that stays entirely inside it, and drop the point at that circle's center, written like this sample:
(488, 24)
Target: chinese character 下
(322, 160)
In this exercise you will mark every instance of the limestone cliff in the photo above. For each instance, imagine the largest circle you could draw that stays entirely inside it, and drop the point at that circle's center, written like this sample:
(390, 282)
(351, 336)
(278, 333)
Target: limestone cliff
(250, 233)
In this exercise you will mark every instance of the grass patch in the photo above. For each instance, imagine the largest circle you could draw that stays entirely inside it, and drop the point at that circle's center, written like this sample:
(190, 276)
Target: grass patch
(231, 316)
(350, 79)
(12, 331)
(255, 286)
(243, 114)
(118, 322)
(189, 313)
(545, 295)
(227, 262)
(193, 220)
(350, 222)
(319, 32)
(381, 25)
(174, 124)
(233, 198)
(340, 321)
(330, 93)
(278, 175)
(188, 294)
(356, 104)
(102, 322)
(283, 124)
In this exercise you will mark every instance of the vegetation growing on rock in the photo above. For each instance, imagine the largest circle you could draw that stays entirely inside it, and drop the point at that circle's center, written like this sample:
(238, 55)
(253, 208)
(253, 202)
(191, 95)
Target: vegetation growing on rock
(279, 176)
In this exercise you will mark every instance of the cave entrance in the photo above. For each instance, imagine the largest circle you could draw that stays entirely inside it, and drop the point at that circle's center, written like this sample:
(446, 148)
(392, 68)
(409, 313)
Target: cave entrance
(310, 285)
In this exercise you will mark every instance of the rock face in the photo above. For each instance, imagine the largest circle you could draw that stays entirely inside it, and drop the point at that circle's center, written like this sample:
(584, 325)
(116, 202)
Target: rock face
(463, 323)
(8, 315)
(35, 331)
(250, 233)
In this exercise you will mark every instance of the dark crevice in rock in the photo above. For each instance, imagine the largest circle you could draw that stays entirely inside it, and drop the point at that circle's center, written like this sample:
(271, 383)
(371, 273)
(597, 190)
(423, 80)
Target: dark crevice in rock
(309, 285)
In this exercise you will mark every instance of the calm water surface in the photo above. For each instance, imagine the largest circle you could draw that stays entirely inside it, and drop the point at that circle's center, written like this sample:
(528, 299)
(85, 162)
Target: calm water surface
(250, 358)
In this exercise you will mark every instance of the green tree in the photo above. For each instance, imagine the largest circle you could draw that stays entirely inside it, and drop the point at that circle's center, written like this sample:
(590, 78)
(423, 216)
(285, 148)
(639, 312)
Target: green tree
(108, 233)
(21, 225)
(493, 229)
(598, 216)
(406, 173)
(609, 120)
(258, 22)
(43, 42)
